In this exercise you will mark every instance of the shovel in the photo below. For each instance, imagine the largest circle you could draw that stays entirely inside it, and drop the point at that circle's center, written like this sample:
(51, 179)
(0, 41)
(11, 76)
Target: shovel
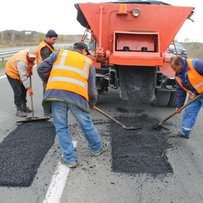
(116, 121)
(173, 114)
(33, 118)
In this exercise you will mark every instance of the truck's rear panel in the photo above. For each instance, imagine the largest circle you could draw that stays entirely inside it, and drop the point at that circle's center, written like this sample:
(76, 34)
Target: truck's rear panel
(131, 39)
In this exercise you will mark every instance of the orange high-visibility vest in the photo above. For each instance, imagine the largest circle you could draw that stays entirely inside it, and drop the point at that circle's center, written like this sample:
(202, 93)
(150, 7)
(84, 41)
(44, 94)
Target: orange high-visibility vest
(40, 47)
(70, 72)
(195, 79)
(11, 65)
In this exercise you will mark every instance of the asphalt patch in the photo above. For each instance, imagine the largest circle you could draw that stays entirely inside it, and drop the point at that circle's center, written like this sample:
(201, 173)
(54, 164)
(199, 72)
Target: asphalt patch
(22, 151)
(140, 151)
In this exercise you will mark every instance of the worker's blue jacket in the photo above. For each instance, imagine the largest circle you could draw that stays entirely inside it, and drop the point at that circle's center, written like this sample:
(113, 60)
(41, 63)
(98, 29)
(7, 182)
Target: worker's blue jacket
(180, 92)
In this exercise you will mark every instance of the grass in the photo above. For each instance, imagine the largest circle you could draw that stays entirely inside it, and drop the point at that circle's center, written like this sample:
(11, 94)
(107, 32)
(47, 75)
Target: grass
(195, 50)
(2, 64)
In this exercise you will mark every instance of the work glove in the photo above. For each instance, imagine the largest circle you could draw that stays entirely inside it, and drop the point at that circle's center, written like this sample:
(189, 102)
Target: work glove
(29, 73)
(91, 105)
(29, 91)
(178, 110)
(92, 102)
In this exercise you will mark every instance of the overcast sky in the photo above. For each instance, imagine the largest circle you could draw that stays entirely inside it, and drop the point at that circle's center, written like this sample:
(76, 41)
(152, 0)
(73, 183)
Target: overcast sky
(42, 15)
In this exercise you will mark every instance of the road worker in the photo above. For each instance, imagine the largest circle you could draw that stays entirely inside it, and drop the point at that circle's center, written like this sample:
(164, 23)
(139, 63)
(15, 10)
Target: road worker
(70, 79)
(189, 81)
(18, 70)
(45, 49)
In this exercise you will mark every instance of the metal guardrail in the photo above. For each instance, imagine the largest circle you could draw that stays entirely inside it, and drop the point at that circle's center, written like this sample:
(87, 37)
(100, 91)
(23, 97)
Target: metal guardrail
(5, 55)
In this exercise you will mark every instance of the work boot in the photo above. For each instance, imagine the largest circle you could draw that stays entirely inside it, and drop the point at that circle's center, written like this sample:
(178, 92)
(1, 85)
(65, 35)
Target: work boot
(26, 109)
(70, 165)
(180, 135)
(104, 148)
(20, 113)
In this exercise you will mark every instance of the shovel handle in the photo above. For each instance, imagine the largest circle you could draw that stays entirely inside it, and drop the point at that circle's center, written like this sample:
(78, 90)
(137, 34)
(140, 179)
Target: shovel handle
(109, 117)
(168, 117)
(31, 99)
(187, 104)
(190, 102)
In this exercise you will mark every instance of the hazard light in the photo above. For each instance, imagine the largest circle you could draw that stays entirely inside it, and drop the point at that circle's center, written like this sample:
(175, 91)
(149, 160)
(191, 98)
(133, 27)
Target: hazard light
(136, 12)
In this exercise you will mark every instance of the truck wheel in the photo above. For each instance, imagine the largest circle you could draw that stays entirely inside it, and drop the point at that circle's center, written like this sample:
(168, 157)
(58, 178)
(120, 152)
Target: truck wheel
(162, 97)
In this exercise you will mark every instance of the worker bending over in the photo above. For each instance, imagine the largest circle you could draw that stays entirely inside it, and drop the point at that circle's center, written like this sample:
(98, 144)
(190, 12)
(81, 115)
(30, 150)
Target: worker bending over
(18, 70)
(70, 79)
(189, 79)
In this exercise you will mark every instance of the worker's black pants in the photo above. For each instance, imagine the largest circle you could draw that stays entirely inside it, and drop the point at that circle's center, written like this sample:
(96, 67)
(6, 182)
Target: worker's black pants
(19, 92)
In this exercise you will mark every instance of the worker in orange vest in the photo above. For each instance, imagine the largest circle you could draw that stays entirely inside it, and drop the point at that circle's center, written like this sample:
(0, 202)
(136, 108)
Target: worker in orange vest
(70, 79)
(45, 49)
(18, 70)
(189, 81)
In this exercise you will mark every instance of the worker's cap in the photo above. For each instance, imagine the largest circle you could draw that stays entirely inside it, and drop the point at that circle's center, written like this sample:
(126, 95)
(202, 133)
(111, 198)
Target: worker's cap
(32, 52)
(80, 46)
(51, 33)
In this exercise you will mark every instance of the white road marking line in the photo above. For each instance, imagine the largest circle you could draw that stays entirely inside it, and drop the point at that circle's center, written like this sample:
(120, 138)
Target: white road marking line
(57, 184)
(1, 77)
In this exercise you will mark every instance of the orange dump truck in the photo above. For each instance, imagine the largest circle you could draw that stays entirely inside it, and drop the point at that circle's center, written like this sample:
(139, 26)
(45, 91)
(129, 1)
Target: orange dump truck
(129, 40)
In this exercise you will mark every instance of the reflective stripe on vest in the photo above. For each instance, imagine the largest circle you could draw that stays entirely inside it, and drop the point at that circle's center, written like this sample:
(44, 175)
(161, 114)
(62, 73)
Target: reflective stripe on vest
(70, 73)
(195, 78)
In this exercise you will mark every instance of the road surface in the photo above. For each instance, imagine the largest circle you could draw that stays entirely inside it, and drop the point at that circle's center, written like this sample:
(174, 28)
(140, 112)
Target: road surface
(93, 181)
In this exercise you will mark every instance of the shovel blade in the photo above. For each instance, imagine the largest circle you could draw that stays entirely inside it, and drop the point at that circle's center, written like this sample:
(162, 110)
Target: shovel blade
(131, 128)
(32, 119)
(159, 127)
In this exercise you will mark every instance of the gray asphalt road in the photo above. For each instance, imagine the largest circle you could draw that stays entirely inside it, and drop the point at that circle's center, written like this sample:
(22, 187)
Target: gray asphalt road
(93, 181)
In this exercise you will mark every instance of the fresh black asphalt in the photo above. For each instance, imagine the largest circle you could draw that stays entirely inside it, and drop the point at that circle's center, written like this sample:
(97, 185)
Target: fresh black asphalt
(140, 151)
(133, 151)
(22, 151)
